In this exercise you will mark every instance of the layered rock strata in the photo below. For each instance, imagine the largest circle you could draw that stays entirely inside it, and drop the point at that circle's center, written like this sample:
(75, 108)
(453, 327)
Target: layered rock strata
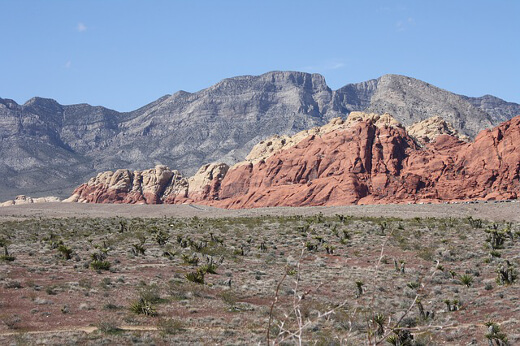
(366, 159)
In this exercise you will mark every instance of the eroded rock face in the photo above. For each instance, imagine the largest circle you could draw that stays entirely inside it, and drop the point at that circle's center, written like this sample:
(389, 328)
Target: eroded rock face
(428, 130)
(366, 164)
(275, 144)
(366, 159)
(205, 184)
(153, 186)
(137, 187)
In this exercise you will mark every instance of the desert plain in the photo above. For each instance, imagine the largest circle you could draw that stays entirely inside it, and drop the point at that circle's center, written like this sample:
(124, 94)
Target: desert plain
(186, 274)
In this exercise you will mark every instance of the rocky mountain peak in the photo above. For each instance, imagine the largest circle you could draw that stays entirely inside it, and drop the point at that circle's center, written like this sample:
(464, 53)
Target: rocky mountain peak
(43, 105)
(8, 103)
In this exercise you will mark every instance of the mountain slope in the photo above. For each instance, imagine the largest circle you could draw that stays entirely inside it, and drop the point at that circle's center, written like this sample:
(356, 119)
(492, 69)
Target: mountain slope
(47, 148)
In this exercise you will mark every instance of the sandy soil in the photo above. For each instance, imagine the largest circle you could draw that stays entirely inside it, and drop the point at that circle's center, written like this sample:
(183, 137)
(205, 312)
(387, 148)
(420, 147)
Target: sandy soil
(498, 211)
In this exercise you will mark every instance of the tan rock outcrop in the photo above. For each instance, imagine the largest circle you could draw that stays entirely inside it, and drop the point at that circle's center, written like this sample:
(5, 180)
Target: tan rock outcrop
(152, 186)
(205, 184)
(428, 130)
(22, 199)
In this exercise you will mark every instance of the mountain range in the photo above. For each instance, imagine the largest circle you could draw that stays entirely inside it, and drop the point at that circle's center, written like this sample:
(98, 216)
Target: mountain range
(48, 149)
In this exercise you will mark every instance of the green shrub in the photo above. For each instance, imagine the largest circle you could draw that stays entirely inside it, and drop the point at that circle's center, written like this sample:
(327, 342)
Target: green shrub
(100, 265)
(143, 307)
(466, 280)
(65, 251)
(197, 276)
(193, 260)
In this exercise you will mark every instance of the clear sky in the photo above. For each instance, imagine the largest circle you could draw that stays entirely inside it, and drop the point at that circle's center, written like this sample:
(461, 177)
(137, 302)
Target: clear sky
(125, 54)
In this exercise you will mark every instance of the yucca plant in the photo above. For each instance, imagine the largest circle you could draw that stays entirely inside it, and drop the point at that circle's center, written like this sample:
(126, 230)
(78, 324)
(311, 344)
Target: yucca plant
(192, 260)
(466, 280)
(161, 237)
(494, 335)
(5, 256)
(65, 251)
(196, 277)
(379, 320)
(143, 307)
(210, 267)
(413, 285)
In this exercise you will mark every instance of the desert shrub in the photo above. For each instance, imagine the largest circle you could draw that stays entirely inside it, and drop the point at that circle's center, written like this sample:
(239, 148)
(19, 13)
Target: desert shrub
(110, 306)
(100, 265)
(12, 321)
(229, 297)
(13, 284)
(426, 253)
(196, 276)
(108, 327)
(169, 326)
(150, 293)
(85, 283)
(65, 251)
(51, 290)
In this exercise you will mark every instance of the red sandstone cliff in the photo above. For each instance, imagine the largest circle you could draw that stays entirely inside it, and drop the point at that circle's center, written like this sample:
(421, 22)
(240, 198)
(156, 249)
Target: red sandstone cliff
(369, 160)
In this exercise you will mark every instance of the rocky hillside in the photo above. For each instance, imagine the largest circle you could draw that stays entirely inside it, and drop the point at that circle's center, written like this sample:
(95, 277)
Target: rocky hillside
(47, 148)
(366, 159)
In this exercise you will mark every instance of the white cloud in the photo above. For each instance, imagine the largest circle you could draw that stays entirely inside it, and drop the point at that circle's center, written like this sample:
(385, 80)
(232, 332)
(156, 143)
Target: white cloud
(336, 66)
(81, 27)
(325, 66)
(402, 25)
(68, 64)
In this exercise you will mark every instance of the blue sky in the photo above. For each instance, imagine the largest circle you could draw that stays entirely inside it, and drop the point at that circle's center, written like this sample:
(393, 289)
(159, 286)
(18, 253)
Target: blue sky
(125, 54)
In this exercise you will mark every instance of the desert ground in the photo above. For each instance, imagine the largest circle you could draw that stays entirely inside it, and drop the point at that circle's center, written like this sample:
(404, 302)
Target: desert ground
(491, 210)
(163, 274)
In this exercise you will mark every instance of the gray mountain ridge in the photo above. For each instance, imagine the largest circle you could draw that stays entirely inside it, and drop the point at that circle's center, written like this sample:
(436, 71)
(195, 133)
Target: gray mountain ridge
(48, 149)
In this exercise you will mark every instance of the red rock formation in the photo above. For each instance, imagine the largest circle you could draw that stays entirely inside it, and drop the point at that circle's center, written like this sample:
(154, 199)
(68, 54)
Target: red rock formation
(360, 164)
(139, 187)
